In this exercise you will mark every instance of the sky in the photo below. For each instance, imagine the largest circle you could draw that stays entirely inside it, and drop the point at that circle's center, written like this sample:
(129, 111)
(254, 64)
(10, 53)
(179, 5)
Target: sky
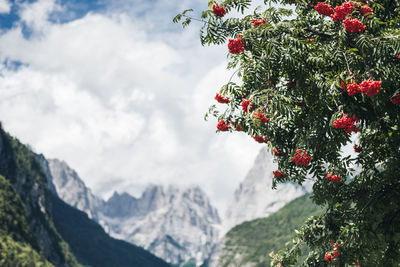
(119, 92)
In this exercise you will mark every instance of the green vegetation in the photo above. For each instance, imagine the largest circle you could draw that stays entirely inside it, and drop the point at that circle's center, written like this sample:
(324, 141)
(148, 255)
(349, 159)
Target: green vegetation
(27, 208)
(92, 246)
(25, 201)
(19, 254)
(254, 240)
(17, 245)
(310, 78)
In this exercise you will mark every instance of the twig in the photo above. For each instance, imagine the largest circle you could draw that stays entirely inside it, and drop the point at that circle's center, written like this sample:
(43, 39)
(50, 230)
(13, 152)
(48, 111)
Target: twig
(347, 63)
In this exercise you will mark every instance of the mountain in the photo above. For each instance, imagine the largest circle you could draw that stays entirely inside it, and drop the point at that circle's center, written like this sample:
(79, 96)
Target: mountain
(26, 209)
(249, 243)
(18, 247)
(35, 223)
(93, 246)
(177, 224)
(255, 197)
(73, 190)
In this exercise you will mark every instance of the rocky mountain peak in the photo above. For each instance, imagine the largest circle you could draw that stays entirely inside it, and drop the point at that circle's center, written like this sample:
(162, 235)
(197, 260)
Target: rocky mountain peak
(255, 198)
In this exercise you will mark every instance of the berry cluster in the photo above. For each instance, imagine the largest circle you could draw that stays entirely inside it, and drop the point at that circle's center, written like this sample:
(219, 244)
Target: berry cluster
(333, 178)
(366, 10)
(279, 174)
(371, 88)
(247, 106)
(221, 99)
(236, 46)
(301, 158)
(222, 126)
(339, 13)
(261, 117)
(260, 139)
(324, 9)
(396, 99)
(237, 126)
(353, 25)
(342, 11)
(331, 255)
(258, 22)
(353, 89)
(357, 148)
(347, 124)
(277, 152)
(219, 11)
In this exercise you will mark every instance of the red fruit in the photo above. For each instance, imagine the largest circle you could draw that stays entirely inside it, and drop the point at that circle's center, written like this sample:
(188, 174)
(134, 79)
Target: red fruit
(357, 148)
(261, 117)
(366, 10)
(277, 152)
(301, 158)
(353, 89)
(260, 139)
(222, 99)
(371, 88)
(236, 46)
(329, 257)
(258, 22)
(219, 11)
(324, 9)
(342, 11)
(222, 126)
(347, 124)
(333, 178)
(247, 106)
(396, 99)
(279, 174)
(353, 25)
(237, 126)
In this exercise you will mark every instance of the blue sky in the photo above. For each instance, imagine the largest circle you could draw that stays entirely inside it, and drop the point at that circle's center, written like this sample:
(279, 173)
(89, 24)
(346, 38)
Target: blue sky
(119, 92)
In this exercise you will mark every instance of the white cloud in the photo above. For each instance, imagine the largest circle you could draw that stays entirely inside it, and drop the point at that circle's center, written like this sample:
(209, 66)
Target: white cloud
(121, 103)
(5, 6)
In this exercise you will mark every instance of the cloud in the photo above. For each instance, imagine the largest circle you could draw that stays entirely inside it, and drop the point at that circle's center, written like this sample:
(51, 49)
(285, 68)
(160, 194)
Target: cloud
(5, 7)
(123, 104)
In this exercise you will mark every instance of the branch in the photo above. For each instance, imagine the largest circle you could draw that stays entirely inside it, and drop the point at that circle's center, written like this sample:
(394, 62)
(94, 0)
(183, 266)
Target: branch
(347, 63)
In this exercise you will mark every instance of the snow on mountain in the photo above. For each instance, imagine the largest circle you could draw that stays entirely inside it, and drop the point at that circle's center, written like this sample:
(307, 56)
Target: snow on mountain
(255, 198)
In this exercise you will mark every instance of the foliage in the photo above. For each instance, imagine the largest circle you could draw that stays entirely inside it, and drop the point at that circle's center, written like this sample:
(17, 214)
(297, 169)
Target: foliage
(297, 69)
(15, 235)
(22, 169)
(253, 239)
(92, 246)
(13, 253)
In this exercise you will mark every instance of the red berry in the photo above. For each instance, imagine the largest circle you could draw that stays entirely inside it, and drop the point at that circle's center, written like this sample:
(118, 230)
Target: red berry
(396, 99)
(324, 9)
(222, 126)
(279, 174)
(219, 11)
(247, 106)
(236, 46)
(258, 22)
(353, 25)
(301, 158)
(261, 117)
(222, 99)
(371, 88)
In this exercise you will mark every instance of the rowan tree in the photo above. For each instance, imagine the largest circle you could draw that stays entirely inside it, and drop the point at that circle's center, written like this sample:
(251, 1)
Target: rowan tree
(317, 78)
